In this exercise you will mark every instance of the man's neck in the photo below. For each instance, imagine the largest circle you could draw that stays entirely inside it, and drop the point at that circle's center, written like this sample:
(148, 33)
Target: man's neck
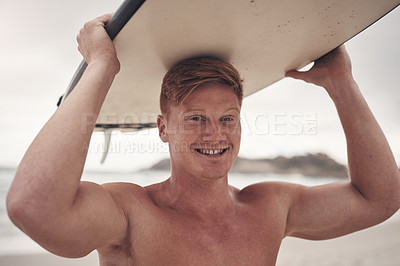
(209, 200)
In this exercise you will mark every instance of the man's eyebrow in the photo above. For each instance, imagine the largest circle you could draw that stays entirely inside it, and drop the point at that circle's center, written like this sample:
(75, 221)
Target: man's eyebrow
(233, 109)
(205, 111)
(194, 110)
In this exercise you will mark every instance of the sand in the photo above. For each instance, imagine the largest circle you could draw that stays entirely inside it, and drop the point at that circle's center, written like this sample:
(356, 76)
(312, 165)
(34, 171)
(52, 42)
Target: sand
(377, 246)
(47, 259)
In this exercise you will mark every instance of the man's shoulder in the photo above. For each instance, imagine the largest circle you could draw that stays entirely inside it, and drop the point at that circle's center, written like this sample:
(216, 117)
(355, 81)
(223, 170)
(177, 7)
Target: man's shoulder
(269, 190)
(122, 187)
(125, 192)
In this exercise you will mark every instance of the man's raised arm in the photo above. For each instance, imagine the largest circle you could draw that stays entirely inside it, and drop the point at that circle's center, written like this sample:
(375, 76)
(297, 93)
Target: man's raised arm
(373, 193)
(47, 200)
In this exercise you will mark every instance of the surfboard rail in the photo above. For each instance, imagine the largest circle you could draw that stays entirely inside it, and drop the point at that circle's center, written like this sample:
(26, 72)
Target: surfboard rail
(117, 22)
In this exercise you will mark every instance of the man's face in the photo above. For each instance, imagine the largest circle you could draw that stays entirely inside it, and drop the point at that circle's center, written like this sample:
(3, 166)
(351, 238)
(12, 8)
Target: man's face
(203, 132)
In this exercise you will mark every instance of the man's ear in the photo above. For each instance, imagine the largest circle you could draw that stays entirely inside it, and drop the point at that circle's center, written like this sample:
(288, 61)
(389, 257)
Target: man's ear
(162, 128)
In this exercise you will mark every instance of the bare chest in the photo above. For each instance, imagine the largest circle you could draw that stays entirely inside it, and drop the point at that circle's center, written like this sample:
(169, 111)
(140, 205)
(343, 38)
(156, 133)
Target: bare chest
(171, 240)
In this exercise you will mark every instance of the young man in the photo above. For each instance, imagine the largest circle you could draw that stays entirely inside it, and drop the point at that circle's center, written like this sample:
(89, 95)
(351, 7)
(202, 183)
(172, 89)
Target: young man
(195, 217)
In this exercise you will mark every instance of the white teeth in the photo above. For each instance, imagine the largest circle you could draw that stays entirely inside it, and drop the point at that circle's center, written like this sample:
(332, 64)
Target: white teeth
(210, 152)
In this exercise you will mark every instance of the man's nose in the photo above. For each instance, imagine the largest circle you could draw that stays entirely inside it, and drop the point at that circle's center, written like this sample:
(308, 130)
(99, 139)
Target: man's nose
(214, 131)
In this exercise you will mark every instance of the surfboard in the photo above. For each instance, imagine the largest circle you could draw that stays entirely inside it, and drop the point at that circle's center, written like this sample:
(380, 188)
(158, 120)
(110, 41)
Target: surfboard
(262, 39)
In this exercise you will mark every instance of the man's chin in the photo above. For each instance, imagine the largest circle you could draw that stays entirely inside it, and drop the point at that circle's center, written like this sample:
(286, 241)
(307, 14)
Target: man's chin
(213, 172)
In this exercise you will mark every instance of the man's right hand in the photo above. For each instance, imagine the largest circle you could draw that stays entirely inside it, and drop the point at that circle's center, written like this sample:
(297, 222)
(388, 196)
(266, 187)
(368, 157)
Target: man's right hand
(95, 44)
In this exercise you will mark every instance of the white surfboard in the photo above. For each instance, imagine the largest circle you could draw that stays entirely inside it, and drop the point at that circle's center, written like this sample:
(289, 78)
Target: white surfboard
(262, 39)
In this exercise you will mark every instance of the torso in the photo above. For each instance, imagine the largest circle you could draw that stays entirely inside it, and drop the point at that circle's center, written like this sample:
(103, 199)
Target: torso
(160, 235)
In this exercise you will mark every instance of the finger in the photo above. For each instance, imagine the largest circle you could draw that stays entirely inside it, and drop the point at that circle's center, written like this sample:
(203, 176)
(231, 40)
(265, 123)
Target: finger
(300, 75)
(341, 47)
(99, 21)
(105, 18)
(294, 74)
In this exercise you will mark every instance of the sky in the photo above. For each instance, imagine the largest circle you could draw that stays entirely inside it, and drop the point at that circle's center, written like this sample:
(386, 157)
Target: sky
(39, 56)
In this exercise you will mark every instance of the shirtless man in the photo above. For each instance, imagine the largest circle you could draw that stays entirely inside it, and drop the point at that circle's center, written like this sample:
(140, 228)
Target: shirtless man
(195, 217)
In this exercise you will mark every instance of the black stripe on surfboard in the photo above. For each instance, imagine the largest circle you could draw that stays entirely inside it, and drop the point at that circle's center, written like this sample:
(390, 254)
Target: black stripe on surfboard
(123, 14)
(135, 126)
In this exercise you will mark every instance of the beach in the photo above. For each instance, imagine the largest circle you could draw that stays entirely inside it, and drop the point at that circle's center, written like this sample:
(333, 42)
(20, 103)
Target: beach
(379, 245)
(375, 246)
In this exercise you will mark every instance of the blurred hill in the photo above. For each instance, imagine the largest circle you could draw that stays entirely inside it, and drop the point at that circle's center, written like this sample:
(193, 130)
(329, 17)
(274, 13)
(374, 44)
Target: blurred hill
(313, 165)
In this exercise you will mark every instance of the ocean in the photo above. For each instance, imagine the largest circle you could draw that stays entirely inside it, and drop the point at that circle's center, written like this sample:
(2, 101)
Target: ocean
(13, 241)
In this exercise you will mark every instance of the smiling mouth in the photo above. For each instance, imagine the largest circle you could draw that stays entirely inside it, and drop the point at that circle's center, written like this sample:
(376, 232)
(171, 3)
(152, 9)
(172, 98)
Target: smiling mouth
(211, 151)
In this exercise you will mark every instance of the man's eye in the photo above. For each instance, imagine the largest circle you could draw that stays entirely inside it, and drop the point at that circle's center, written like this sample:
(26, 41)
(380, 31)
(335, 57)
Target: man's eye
(196, 118)
(227, 119)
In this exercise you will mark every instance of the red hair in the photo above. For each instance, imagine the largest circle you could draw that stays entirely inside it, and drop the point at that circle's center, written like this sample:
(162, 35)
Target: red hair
(187, 75)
